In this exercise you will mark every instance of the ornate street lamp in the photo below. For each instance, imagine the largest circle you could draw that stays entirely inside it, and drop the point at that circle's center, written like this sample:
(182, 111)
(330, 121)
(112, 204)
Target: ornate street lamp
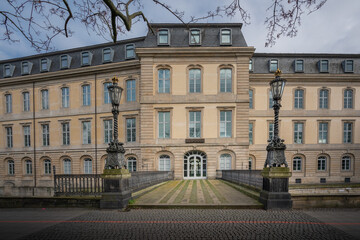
(115, 151)
(276, 147)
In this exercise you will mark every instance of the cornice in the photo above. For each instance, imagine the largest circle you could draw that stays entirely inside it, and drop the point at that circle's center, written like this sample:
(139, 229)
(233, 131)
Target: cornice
(265, 77)
(118, 66)
(195, 51)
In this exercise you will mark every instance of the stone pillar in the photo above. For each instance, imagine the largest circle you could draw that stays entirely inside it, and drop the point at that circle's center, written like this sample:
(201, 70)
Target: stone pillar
(117, 192)
(275, 192)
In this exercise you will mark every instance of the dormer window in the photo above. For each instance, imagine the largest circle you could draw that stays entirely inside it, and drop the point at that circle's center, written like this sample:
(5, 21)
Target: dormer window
(8, 70)
(273, 65)
(163, 37)
(65, 61)
(324, 66)
(225, 37)
(108, 55)
(130, 51)
(86, 58)
(26, 68)
(195, 37)
(45, 65)
(299, 65)
(348, 66)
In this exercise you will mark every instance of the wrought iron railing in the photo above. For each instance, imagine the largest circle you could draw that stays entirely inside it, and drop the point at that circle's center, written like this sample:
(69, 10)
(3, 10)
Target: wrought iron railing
(249, 177)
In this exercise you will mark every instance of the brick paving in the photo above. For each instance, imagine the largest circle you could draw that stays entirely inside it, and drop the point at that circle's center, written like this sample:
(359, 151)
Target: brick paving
(189, 224)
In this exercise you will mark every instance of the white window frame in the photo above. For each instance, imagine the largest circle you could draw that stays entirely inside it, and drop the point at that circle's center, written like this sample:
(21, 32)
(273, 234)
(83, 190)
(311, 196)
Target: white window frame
(8, 103)
(130, 130)
(324, 99)
(195, 124)
(271, 100)
(297, 164)
(348, 99)
(162, 79)
(68, 61)
(10, 68)
(11, 167)
(322, 163)
(131, 164)
(222, 34)
(168, 36)
(29, 66)
(321, 66)
(299, 98)
(47, 166)
(9, 137)
(164, 124)
(271, 62)
(251, 99)
(111, 55)
(225, 80)
(28, 167)
(348, 132)
(131, 90)
(251, 133)
(224, 124)
(296, 69)
(225, 161)
(322, 132)
(67, 166)
(48, 65)
(90, 56)
(345, 66)
(107, 99)
(88, 168)
(128, 48)
(65, 97)
(271, 128)
(191, 37)
(195, 78)
(346, 163)
(164, 163)
(251, 65)
(299, 132)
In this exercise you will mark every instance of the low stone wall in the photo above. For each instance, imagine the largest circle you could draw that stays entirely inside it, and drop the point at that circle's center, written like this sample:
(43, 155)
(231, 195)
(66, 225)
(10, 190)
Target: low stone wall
(36, 202)
(325, 201)
(251, 178)
(26, 191)
(141, 180)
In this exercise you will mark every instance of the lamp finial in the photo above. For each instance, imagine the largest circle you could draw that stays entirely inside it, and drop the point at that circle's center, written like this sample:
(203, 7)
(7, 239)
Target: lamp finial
(278, 73)
(115, 80)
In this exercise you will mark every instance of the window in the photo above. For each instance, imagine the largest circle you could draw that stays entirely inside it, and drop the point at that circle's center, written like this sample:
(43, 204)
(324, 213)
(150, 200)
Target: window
(324, 66)
(131, 130)
(226, 80)
(44, 99)
(7, 70)
(251, 65)
(271, 130)
(26, 68)
(251, 94)
(271, 100)
(8, 102)
(164, 80)
(299, 99)
(195, 124)
(299, 65)
(65, 61)
(274, 65)
(86, 95)
(88, 166)
(28, 167)
(164, 163)
(131, 164)
(108, 131)
(225, 162)
(251, 137)
(298, 132)
(322, 163)
(65, 97)
(323, 99)
(348, 66)
(27, 142)
(130, 51)
(163, 37)
(65, 133)
(348, 98)
(346, 163)
(26, 101)
(323, 132)
(47, 166)
(11, 167)
(347, 132)
(130, 91)
(9, 137)
(86, 58)
(164, 124)
(45, 65)
(225, 123)
(45, 134)
(195, 80)
(225, 38)
(107, 55)
(250, 163)
(297, 163)
(86, 127)
(67, 166)
(106, 93)
(195, 38)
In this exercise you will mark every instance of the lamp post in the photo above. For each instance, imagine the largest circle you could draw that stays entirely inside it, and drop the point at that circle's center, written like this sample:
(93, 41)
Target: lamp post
(115, 151)
(275, 190)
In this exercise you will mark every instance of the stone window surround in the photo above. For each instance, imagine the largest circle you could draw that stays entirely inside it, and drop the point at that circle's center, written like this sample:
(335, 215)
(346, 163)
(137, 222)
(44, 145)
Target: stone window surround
(62, 121)
(132, 155)
(328, 98)
(222, 66)
(137, 129)
(22, 99)
(224, 108)
(111, 55)
(69, 58)
(328, 121)
(168, 153)
(353, 97)
(82, 163)
(159, 67)
(30, 65)
(352, 121)
(42, 161)
(302, 166)
(188, 68)
(126, 46)
(231, 153)
(294, 121)
(303, 98)
(81, 93)
(351, 162)
(163, 109)
(327, 163)
(195, 109)
(60, 94)
(61, 160)
(6, 168)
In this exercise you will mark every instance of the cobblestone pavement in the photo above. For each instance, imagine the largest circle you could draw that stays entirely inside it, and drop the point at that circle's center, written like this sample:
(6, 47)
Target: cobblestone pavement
(190, 224)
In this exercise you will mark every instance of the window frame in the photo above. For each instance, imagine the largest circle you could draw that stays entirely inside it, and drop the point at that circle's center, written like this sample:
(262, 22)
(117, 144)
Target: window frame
(67, 165)
(27, 135)
(106, 94)
(191, 111)
(47, 166)
(132, 130)
(28, 167)
(322, 166)
(222, 34)
(86, 95)
(348, 132)
(226, 122)
(251, 98)
(10, 68)
(68, 61)
(251, 65)
(9, 137)
(296, 134)
(320, 132)
(10, 167)
(270, 65)
(348, 102)
(165, 126)
(88, 165)
(108, 130)
(320, 66)
(8, 103)
(296, 165)
(65, 133)
(127, 50)
(132, 96)
(86, 132)
(195, 79)
(251, 132)
(296, 70)
(191, 37)
(162, 164)
(130, 162)
(345, 64)
(270, 133)
(168, 37)
(90, 55)
(299, 101)
(163, 87)
(111, 55)
(44, 99)
(323, 100)
(45, 134)
(227, 88)
(29, 66)
(270, 100)
(226, 161)
(26, 101)
(48, 65)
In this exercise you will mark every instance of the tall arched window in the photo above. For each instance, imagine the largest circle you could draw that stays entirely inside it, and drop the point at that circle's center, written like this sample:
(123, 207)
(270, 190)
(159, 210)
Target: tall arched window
(88, 166)
(47, 166)
(67, 166)
(11, 167)
(226, 80)
(195, 80)
(131, 164)
(28, 167)
(297, 163)
(225, 161)
(322, 161)
(346, 163)
(164, 163)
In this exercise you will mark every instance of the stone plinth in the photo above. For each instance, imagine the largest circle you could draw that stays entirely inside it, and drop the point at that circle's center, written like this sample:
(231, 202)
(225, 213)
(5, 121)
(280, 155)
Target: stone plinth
(116, 193)
(275, 192)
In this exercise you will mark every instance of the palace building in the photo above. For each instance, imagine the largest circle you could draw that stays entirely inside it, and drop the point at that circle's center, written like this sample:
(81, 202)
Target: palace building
(196, 100)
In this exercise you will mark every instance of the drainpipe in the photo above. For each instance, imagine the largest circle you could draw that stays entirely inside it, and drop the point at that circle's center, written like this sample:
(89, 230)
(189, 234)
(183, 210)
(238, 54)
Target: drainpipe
(34, 142)
(96, 158)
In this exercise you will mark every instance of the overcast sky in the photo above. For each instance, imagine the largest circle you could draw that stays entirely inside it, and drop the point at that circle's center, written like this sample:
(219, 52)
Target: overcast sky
(335, 28)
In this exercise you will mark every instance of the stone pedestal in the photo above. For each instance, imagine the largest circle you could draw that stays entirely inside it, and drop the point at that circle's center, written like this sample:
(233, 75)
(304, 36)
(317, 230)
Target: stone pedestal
(275, 192)
(117, 192)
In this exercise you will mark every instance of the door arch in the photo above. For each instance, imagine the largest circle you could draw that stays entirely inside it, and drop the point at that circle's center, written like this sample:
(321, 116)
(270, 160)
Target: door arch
(195, 164)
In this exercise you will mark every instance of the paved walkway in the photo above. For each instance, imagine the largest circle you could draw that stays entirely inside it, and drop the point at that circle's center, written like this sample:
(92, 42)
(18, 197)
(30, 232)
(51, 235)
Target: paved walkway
(197, 193)
(55, 224)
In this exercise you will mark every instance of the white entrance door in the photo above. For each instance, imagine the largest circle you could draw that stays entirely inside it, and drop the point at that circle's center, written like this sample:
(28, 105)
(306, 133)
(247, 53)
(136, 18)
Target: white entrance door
(195, 165)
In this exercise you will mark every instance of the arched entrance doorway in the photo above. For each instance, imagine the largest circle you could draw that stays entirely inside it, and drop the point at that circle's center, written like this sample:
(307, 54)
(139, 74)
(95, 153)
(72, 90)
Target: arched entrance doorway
(195, 165)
